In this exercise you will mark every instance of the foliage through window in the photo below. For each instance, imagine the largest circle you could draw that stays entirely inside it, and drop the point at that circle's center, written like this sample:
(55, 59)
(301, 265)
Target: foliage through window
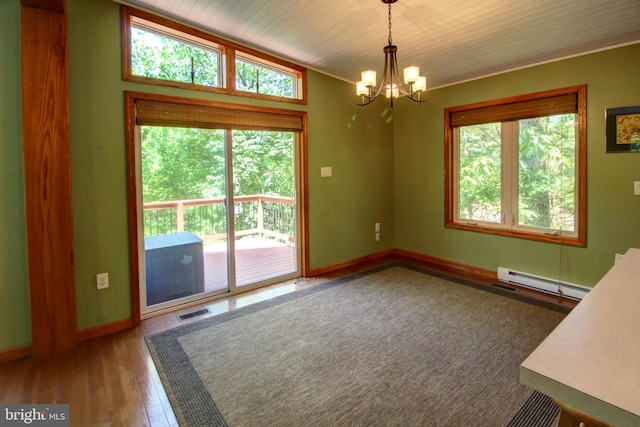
(189, 164)
(160, 56)
(159, 51)
(515, 167)
(251, 76)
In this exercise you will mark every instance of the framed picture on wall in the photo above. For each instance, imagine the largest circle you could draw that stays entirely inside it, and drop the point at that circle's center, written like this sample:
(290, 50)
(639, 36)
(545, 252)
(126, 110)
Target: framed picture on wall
(623, 129)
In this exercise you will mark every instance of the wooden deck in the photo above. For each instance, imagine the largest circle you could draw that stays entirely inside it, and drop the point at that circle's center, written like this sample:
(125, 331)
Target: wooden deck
(257, 259)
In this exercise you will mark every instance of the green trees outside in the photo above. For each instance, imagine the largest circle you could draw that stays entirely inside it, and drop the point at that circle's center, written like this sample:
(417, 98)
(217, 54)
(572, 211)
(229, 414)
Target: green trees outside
(159, 57)
(545, 172)
(263, 163)
(251, 77)
(182, 163)
(480, 172)
(190, 163)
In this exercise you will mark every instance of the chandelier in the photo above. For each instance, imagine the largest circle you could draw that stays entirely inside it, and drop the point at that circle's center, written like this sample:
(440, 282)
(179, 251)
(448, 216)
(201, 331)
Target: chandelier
(414, 83)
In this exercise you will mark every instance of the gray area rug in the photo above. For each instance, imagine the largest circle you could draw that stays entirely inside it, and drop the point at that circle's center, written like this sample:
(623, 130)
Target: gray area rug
(393, 346)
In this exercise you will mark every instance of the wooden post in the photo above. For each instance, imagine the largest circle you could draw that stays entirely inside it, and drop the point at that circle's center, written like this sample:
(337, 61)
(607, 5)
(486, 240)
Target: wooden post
(260, 216)
(47, 170)
(180, 219)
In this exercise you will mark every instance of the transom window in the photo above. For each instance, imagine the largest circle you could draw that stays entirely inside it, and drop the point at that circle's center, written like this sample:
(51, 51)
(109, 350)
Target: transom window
(253, 75)
(162, 52)
(516, 166)
(159, 54)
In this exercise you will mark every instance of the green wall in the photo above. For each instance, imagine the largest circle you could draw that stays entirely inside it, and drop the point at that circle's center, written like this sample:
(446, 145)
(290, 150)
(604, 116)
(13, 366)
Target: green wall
(386, 168)
(343, 208)
(15, 322)
(356, 143)
(613, 212)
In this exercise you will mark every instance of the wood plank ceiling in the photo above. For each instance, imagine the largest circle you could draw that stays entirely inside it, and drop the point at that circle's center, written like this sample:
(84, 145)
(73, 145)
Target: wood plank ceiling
(450, 41)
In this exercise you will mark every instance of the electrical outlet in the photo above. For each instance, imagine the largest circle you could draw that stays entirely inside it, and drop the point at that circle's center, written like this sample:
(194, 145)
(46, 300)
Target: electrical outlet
(376, 227)
(102, 280)
(377, 236)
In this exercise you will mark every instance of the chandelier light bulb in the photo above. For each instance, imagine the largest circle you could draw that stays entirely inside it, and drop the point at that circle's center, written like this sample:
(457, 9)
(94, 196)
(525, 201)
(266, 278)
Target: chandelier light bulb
(391, 89)
(420, 84)
(368, 78)
(361, 89)
(411, 74)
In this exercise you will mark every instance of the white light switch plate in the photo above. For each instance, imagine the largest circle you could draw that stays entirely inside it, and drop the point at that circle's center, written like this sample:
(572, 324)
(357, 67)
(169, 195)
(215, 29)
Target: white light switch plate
(326, 171)
(102, 280)
(636, 188)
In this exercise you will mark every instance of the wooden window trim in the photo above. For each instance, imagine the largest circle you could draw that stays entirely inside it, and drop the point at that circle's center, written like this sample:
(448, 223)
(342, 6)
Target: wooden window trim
(227, 70)
(580, 239)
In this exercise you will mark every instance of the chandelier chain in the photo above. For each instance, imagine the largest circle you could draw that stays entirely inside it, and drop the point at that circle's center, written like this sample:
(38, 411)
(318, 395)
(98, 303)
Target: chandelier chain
(390, 42)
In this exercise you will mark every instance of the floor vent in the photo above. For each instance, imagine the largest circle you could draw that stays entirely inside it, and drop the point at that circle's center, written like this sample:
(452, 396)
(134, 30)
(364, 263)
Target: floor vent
(506, 288)
(193, 314)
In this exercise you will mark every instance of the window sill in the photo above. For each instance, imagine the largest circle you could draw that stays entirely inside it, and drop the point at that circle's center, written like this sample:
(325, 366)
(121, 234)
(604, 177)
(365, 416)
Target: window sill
(539, 237)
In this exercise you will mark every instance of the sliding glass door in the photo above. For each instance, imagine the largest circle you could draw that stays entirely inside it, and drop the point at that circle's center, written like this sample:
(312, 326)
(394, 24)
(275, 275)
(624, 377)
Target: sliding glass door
(183, 186)
(264, 193)
(218, 212)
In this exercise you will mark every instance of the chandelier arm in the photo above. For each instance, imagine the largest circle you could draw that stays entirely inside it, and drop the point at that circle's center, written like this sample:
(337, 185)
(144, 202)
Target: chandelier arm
(384, 75)
(408, 93)
(412, 96)
(369, 100)
(402, 90)
(419, 100)
(396, 76)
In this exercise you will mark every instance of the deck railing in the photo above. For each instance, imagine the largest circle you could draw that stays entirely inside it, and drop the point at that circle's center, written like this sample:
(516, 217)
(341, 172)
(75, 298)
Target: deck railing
(262, 215)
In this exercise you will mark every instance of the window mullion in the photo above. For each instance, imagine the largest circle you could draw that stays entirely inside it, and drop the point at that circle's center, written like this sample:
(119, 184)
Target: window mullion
(456, 174)
(515, 172)
(229, 77)
(509, 174)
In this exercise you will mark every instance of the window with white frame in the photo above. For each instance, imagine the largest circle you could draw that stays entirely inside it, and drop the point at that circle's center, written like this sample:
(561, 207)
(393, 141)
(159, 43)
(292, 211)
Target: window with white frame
(516, 166)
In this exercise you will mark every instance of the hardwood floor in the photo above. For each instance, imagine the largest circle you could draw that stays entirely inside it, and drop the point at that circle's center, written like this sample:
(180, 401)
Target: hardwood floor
(111, 380)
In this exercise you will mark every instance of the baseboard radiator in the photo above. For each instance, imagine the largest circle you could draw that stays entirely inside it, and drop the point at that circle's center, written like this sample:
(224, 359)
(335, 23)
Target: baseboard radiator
(543, 284)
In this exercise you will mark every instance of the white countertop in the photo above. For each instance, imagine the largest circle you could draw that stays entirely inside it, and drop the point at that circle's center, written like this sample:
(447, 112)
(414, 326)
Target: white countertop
(591, 361)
